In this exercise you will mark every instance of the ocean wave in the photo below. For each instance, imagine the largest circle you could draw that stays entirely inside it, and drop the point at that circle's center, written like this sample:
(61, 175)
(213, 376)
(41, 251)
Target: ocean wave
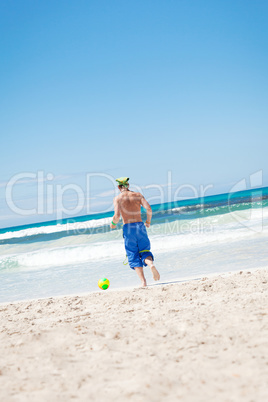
(187, 208)
(114, 249)
(76, 228)
(67, 227)
(208, 208)
(63, 256)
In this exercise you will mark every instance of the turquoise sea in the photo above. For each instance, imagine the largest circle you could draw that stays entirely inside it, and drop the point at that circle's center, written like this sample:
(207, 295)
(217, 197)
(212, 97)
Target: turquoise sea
(189, 239)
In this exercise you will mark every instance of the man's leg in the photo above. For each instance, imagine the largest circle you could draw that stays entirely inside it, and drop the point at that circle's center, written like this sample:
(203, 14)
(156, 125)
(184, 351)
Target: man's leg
(140, 273)
(150, 263)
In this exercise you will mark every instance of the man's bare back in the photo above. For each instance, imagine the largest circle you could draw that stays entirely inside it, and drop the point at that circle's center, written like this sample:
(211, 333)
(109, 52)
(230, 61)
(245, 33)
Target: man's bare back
(128, 204)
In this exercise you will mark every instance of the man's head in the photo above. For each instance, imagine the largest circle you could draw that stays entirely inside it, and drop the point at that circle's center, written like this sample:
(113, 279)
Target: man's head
(123, 183)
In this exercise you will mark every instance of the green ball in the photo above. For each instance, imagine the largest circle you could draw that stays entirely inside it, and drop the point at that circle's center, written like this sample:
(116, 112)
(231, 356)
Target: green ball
(103, 283)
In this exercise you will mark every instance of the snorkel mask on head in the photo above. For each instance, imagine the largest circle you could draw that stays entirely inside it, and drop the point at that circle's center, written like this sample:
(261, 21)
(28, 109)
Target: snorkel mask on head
(123, 181)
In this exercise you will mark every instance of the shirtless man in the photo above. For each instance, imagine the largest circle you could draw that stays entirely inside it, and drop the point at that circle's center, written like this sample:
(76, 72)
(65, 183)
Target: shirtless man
(137, 244)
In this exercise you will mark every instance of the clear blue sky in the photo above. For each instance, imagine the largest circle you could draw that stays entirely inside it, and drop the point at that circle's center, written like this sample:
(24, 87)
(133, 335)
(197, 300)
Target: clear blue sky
(134, 88)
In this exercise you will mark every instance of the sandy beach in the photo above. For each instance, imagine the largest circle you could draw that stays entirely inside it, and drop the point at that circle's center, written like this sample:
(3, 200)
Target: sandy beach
(203, 340)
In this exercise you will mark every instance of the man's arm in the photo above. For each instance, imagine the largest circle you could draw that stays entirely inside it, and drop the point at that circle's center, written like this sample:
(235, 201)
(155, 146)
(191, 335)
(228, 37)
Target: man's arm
(116, 216)
(146, 205)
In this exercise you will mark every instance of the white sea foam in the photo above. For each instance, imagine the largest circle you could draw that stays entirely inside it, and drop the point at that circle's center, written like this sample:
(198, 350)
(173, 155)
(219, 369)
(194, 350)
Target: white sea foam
(114, 249)
(176, 235)
(78, 226)
(259, 213)
(71, 264)
(187, 207)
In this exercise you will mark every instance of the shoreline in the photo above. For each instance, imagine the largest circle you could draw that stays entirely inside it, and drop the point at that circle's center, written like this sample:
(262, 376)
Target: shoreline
(200, 340)
(178, 281)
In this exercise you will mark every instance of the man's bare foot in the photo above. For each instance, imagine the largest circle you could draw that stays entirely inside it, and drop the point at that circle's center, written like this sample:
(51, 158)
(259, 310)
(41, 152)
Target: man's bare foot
(140, 273)
(155, 273)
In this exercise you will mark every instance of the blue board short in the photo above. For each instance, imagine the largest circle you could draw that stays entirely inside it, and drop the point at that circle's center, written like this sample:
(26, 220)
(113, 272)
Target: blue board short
(136, 241)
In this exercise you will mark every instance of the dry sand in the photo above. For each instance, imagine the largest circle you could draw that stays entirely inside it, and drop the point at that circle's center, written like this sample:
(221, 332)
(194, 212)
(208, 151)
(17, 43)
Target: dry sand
(204, 340)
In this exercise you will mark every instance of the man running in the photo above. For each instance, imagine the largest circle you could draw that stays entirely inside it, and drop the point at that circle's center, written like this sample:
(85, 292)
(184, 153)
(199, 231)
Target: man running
(137, 244)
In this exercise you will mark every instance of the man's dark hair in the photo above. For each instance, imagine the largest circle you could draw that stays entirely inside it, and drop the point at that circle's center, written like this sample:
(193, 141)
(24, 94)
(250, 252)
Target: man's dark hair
(122, 186)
